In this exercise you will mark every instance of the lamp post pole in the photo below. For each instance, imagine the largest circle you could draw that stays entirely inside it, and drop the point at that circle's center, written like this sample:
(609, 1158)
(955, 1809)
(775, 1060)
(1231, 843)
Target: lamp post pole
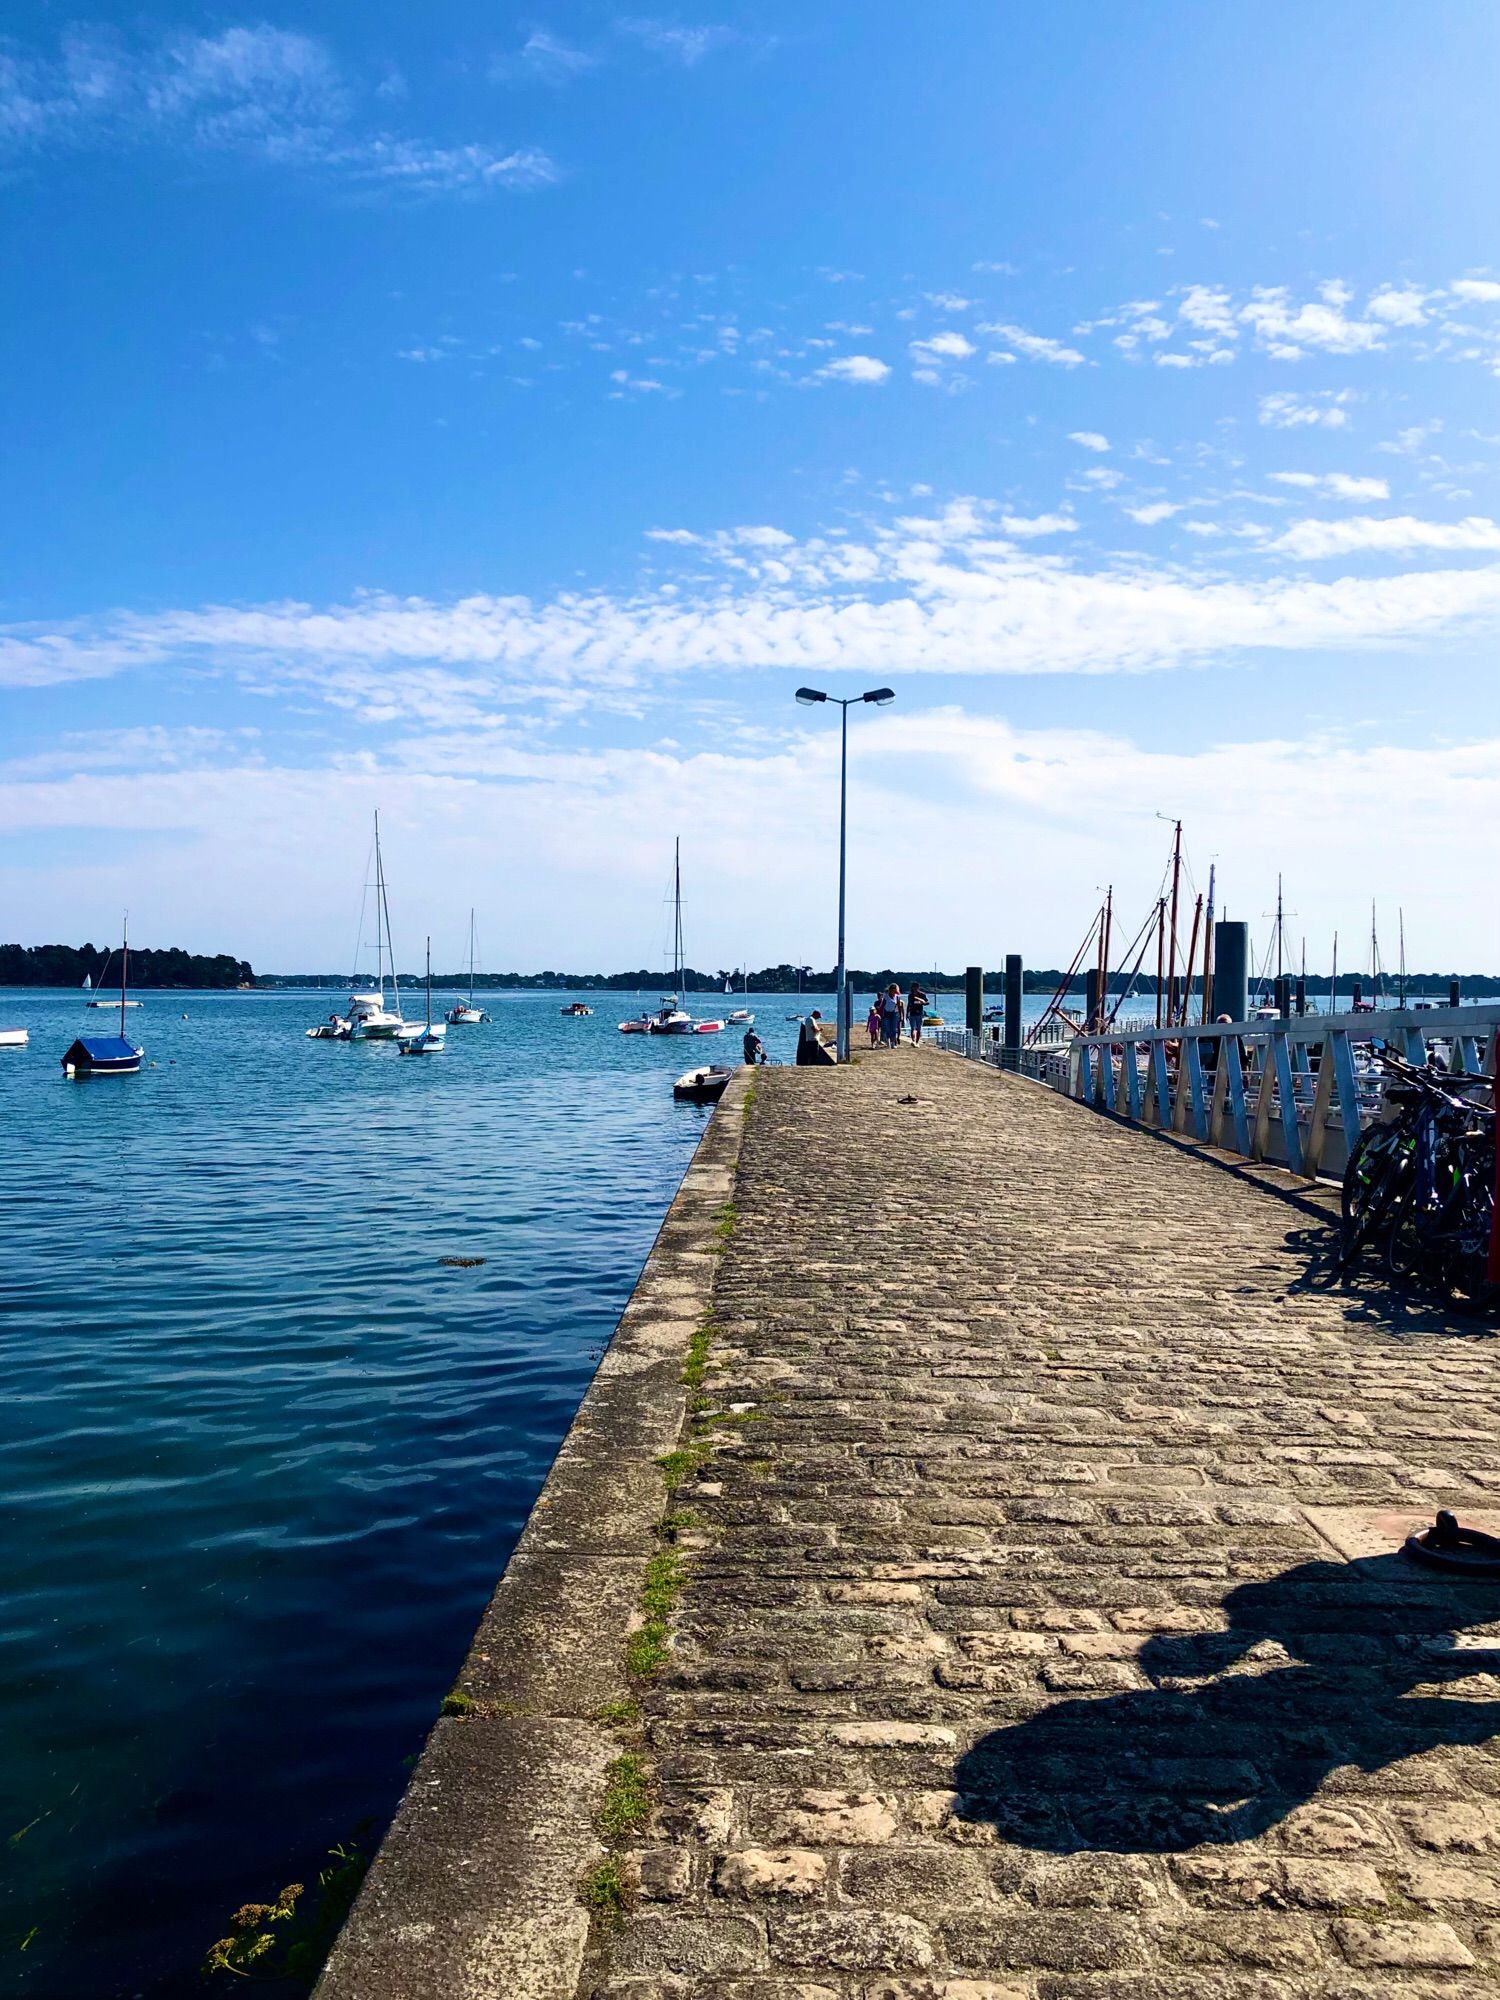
(880, 697)
(841, 1005)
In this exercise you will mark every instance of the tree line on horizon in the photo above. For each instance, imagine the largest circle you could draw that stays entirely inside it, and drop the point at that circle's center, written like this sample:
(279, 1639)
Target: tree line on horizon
(784, 979)
(71, 964)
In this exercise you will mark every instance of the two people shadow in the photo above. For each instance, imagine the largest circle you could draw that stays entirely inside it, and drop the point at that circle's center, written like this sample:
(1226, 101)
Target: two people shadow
(1315, 1673)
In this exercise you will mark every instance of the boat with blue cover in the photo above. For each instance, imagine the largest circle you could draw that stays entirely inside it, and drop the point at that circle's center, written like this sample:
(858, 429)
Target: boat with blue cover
(107, 1055)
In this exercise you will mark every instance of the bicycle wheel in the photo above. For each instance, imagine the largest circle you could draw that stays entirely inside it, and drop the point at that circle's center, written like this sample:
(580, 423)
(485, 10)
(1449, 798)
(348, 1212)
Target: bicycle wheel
(1365, 1162)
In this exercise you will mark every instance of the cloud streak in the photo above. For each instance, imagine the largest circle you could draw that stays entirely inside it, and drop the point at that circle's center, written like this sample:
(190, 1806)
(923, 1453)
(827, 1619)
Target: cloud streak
(273, 96)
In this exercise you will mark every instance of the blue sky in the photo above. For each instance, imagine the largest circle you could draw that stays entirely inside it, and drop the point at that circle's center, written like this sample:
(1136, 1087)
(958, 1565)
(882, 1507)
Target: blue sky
(492, 415)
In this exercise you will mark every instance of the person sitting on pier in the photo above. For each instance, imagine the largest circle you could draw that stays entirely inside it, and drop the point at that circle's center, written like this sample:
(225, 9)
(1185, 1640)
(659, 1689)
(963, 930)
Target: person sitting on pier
(810, 1049)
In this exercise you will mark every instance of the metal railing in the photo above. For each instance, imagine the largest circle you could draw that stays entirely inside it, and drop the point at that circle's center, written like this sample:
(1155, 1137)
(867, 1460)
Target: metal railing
(1296, 1092)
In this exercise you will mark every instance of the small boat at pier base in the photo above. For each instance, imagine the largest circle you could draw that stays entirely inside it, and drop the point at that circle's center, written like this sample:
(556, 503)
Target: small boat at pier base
(702, 1086)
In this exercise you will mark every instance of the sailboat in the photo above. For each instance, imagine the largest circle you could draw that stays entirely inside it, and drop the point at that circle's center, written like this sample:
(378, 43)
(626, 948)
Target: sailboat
(671, 1018)
(431, 1038)
(107, 1055)
(463, 1013)
(369, 1018)
(741, 1017)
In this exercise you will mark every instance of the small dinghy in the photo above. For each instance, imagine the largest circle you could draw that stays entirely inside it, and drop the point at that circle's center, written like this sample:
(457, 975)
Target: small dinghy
(702, 1086)
(13, 1038)
(578, 1011)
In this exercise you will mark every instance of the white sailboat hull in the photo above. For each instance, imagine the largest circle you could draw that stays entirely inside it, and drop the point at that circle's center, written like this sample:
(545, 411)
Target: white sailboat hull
(13, 1038)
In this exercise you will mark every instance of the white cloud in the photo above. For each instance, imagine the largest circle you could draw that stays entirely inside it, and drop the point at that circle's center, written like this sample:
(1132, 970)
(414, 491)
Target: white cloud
(1156, 510)
(1342, 485)
(1090, 440)
(1398, 305)
(1364, 534)
(1325, 408)
(1287, 330)
(932, 594)
(948, 346)
(1028, 527)
(1208, 307)
(1036, 346)
(1476, 291)
(545, 58)
(687, 46)
(856, 368)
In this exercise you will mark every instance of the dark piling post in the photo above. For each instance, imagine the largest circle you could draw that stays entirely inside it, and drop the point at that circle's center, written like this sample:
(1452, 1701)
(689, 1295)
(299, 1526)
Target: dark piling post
(1231, 977)
(1300, 993)
(1454, 996)
(1012, 1009)
(1284, 997)
(1093, 1012)
(1359, 994)
(974, 998)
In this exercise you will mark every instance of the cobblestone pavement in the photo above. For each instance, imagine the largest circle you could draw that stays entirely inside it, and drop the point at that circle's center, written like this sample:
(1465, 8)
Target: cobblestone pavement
(1039, 1642)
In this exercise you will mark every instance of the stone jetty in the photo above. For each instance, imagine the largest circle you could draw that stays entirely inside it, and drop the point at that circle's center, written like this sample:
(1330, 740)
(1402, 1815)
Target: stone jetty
(1017, 1614)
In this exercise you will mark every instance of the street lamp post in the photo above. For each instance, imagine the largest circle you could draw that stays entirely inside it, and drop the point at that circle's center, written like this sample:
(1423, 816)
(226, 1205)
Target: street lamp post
(808, 696)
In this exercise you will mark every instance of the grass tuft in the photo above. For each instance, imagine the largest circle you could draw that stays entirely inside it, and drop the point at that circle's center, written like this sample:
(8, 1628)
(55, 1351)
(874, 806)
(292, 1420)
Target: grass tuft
(458, 1703)
(626, 1805)
(603, 1889)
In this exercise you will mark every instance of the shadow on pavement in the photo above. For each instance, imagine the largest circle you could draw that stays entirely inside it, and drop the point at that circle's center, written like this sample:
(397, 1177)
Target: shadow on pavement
(1315, 1672)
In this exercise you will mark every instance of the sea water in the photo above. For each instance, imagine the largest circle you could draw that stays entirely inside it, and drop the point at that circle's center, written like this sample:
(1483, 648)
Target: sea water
(264, 1453)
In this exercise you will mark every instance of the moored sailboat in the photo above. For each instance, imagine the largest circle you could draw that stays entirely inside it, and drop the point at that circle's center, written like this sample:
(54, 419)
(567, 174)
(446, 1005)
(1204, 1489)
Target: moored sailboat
(107, 1055)
(432, 1036)
(464, 1013)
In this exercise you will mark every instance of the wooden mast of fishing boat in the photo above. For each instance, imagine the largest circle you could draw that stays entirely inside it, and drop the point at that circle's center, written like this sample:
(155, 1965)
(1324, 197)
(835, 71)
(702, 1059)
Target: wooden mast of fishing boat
(1161, 947)
(1192, 960)
(1104, 944)
(1208, 947)
(1172, 932)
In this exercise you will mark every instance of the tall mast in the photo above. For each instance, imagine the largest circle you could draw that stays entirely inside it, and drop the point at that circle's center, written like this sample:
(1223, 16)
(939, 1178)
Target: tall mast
(389, 940)
(1104, 944)
(379, 902)
(1333, 987)
(677, 965)
(1208, 944)
(1161, 941)
(124, 962)
(1374, 956)
(471, 955)
(1279, 922)
(1172, 944)
(1401, 936)
(1192, 959)
(429, 982)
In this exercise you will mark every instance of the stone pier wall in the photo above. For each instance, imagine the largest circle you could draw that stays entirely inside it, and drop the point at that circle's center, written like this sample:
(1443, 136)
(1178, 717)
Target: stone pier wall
(478, 1890)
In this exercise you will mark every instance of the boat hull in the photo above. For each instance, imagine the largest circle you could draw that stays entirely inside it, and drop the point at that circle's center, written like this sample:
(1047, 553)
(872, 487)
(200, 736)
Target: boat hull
(112, 1057)
(13, 1038)
(702, 1086)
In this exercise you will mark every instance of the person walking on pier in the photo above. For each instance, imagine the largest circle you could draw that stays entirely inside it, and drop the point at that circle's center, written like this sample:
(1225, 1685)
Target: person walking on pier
(872, 1021)
(892, 1015)
(916, 1008)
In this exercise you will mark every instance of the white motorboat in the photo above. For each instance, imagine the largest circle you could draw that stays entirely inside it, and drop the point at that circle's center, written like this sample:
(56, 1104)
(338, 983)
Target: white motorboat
(670, 1019)
(13, 1038)
(429, 1037)
(334, 1029)
(464, 1013)
(741, 1017)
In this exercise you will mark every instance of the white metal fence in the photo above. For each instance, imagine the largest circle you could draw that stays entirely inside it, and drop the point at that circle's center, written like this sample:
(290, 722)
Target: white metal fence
(1296, 1092)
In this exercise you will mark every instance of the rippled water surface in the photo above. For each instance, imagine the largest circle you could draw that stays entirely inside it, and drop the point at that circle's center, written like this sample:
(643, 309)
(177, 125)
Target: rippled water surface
(264, 1455)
